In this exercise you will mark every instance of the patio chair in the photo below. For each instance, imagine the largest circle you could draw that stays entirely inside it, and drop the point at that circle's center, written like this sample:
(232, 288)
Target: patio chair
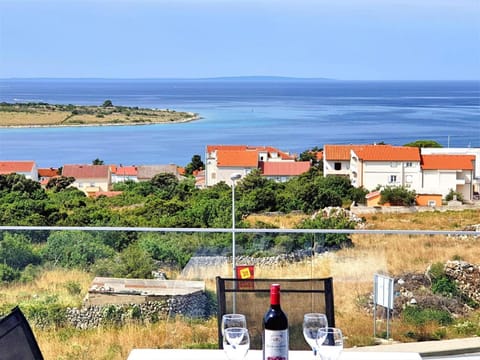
(17, 341)
(252, 298)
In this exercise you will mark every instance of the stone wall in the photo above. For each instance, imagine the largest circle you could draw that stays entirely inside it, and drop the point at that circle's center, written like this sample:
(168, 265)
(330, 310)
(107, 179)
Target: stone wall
(467, 277)
(198, 305)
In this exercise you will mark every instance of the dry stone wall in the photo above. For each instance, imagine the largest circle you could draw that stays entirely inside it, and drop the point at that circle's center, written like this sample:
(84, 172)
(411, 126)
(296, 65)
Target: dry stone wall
(467, 277)
(197, 305)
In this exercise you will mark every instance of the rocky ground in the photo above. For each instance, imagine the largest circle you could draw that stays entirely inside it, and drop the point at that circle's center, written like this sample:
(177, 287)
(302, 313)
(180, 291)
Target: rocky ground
(415, 289)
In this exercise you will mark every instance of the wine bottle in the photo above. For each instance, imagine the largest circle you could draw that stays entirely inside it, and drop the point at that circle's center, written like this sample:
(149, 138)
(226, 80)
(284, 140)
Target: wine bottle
(275, 328)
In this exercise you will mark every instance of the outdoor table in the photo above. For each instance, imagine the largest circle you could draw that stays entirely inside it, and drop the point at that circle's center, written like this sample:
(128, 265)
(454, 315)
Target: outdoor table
(187, 354)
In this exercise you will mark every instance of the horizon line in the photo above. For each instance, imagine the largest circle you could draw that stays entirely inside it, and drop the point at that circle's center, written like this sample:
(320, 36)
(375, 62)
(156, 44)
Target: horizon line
(220, 78)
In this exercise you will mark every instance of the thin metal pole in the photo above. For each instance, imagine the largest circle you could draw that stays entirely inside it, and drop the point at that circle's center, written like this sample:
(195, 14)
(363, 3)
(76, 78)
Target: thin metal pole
(234, 265)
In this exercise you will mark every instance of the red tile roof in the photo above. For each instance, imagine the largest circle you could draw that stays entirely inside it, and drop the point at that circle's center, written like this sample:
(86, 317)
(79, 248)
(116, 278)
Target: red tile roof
(447, 162)
(244, 158)
(8, 167)
(284, 168)
(388, 153)
(339, 152)
(124, 170)
(372, 152)
(243, 155)
(47, 172)
(86, 171)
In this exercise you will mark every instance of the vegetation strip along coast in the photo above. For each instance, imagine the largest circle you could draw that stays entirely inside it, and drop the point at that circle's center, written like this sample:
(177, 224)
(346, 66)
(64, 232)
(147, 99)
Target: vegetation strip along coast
(43, 115)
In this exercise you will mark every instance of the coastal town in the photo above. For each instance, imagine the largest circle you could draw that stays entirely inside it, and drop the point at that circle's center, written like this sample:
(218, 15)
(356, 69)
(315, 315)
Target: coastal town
(432, 173)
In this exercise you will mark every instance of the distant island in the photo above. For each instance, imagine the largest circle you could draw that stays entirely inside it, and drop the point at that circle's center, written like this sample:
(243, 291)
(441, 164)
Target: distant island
(44, 115)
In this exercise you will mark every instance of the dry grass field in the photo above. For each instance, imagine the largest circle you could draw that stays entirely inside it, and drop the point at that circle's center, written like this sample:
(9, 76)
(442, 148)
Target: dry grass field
(60, 115)
(352, 270)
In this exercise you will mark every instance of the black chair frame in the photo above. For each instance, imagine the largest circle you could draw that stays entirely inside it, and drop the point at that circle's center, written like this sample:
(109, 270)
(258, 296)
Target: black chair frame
(261, 285)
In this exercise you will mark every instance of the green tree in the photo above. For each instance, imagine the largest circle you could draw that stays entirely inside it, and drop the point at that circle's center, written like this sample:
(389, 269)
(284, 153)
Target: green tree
(424, 144)
(59, 183)
(97, 161)
(74, 249)
(19, 183)
(17, 252)
(107, 103)
(312, 156)
(194, 165)
(337, 220)
(397, 196)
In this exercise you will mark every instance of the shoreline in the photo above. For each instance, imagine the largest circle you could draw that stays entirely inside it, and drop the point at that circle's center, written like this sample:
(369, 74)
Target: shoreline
(33, 126)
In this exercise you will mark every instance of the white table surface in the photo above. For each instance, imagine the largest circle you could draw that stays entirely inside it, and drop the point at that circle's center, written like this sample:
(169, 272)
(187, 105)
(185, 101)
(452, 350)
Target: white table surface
(184, 354)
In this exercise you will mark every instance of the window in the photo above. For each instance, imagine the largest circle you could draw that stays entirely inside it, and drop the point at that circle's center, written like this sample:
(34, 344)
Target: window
(393, 164)
(214, 176)
(392, 179)
(409, 179)
(337, 166)
(409, 164)
(432, 203)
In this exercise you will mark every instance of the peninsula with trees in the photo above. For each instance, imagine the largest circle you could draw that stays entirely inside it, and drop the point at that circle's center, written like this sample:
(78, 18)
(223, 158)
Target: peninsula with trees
(44, 114)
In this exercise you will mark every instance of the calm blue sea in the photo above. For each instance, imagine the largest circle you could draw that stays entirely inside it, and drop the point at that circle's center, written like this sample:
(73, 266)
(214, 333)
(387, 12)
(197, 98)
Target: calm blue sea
(293, 115)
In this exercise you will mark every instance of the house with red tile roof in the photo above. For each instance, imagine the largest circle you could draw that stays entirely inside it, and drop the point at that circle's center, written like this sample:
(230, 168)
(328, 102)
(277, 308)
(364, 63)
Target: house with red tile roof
(443, 173)
(25, 168)
(371, 165)
(123, 173)
(461, 151)
(45, 174)
(222, 161)
(374, 165)
(282, 171)
(336, 159)
(148, 172)
(89, 178)
(429, 171)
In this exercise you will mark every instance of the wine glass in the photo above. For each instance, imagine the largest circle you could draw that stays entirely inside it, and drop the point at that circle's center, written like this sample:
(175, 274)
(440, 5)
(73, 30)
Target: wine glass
(236, 342)
(332, 344)
(312, 323)
(233, 320)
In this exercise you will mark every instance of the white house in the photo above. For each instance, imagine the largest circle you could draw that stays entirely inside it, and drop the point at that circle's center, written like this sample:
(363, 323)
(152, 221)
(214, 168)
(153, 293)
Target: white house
(222, 161)
(461, 151)
(25, 168)
(89, 178)
(443, 173)
(124, 173)
(386, 165)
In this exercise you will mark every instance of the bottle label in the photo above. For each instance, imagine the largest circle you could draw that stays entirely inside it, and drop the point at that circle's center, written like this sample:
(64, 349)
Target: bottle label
(276, 345)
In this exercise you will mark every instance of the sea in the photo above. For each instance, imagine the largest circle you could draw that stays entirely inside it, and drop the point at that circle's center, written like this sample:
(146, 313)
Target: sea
(291, 114)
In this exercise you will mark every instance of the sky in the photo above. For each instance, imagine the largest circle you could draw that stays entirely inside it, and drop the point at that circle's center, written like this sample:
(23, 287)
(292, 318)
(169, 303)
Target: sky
(337, 39)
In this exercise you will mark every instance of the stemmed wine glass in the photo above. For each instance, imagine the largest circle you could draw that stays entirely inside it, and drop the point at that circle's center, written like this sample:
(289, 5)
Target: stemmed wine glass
(312, 323)
(236, 342)
(330, 343)
(233, 320)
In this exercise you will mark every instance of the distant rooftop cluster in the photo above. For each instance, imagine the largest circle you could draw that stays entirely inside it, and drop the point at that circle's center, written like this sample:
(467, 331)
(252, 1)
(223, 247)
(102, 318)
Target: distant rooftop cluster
(431, 172)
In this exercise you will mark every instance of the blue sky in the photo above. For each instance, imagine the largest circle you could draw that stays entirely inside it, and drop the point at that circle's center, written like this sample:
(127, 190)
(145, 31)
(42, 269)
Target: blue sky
(340, 39)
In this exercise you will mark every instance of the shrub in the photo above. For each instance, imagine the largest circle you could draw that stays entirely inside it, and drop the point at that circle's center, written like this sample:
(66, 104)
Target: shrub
(73, 287)
(29, 274)
(451, 194)
(441, 283)
(46, 313)
(419, 317)
(397, 196)
(17, 252)
(8, 274)
(75, 249)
